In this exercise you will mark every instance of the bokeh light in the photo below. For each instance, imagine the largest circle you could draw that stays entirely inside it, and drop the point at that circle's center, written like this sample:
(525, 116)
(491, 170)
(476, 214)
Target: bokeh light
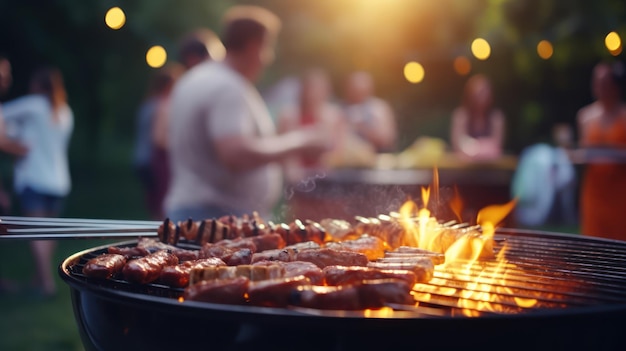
(613, 43)
(115, 18)
(481, 49)
(156, 56)
(414, 72)
(545, 50)
(462, 65)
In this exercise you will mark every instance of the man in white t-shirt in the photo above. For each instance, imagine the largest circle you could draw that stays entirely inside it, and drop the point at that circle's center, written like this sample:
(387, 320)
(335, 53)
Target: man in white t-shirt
(224, 153)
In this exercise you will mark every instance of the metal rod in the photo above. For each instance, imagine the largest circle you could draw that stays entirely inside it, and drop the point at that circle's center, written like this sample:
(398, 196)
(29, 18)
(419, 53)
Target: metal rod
(67, 221)
(98, 235)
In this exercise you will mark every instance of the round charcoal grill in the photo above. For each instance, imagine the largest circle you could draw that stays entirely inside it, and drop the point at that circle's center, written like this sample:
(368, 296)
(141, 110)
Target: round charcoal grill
(558, 291)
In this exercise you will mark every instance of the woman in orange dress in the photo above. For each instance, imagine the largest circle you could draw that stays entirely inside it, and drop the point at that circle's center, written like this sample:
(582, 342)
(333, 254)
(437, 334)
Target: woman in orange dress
(602, 126)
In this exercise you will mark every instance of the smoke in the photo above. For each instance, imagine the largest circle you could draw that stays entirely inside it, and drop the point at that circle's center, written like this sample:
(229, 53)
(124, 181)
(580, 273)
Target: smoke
(305, 185)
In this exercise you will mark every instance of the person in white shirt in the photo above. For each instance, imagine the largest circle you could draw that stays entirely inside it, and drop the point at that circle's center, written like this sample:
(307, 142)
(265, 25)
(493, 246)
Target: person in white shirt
(43, 122)
(224, 152)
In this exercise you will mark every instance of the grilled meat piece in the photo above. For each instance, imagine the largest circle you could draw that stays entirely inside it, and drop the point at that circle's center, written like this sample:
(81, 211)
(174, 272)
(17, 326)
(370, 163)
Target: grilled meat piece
(369, 294)
(378, 293)
(252, 272)
(148, 269)
(168, 232)
(232, 257)
(344, 297)
(269, 241)
(383, 227)
(104, 266)
(307, 269)
(285, 255)
(328, 257)
(344, 275)
(178, 276)
(129, 252)
(407, 253)
(370, 246)
(275, 292)
(227, 291)
(239, 243)
(423, 268)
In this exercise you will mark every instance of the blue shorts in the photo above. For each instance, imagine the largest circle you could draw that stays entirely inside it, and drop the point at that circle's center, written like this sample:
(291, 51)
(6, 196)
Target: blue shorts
(32, 201)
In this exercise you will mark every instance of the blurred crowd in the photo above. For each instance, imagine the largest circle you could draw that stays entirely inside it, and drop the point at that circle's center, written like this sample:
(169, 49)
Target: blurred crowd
(207, 144)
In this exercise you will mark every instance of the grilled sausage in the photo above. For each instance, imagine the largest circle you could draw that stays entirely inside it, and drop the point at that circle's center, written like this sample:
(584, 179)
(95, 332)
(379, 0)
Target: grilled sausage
(370, 246)
(148, 269)
(345, 297)
(227, 291)
(129, 252)
(328, 257)
(343, 275)
(275, 292)
(104, 266)
(178, 276)
(423, 269)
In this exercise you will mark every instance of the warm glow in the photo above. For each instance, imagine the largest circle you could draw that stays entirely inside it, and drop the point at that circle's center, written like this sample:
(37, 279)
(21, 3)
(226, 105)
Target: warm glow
(613, 42)
(384, 312)
(115, 18)
(156, 56)
(414, 72)
(545, 49)
(462, 65)
(481, 49)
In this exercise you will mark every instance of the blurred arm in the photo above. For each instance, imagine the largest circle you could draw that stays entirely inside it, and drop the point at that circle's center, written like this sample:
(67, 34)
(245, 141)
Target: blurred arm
(241, 153)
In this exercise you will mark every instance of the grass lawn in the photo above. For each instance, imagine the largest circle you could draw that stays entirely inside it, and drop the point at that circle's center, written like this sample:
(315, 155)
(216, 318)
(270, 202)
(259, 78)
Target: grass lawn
(103, 189)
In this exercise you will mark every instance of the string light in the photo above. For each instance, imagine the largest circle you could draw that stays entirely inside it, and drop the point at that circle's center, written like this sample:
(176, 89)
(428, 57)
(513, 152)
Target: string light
(545, 50)
(481, 49)
(156, 56)
(613, 43)
(462, 65)
(414, 72)
(115, 18)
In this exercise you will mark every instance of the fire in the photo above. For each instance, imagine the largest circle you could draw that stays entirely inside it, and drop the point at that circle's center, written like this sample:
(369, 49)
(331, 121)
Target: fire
(469, 256)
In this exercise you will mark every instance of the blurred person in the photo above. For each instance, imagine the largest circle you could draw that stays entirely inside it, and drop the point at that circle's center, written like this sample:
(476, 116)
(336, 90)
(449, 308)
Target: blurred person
(369, 117)
(11, 147)
(43, 122)
(224, 152)
(477, 129)
(200, 45)
(602, 131)
(7, 145)
(313, 108)
(150, 156)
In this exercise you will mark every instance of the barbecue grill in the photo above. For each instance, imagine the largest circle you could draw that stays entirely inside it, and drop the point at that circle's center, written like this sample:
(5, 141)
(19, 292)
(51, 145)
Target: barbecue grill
(556, 291)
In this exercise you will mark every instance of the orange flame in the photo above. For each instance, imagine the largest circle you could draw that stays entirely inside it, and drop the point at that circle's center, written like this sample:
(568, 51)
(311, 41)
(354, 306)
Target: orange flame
(469, 253)
(492, 215)
(456, 204)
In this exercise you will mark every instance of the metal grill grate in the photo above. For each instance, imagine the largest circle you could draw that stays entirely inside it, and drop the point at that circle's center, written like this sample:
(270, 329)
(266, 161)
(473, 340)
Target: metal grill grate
(551, 270)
